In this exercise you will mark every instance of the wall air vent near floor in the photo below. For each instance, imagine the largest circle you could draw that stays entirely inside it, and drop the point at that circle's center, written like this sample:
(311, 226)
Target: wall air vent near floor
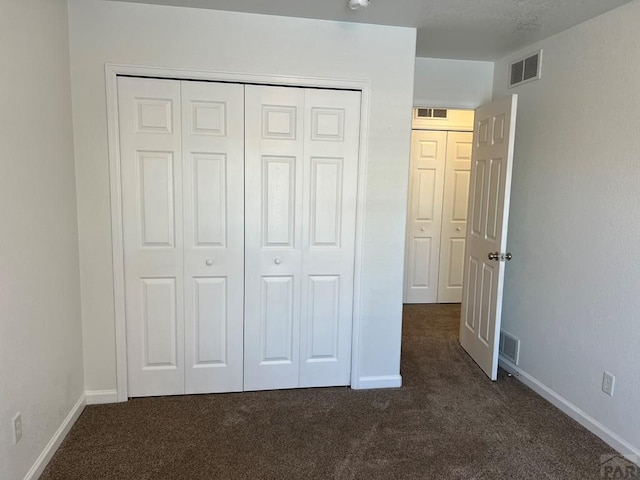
(509, 347)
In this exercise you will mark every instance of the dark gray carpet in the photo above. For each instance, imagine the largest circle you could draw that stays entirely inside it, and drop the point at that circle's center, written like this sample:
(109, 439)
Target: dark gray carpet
(448, 421)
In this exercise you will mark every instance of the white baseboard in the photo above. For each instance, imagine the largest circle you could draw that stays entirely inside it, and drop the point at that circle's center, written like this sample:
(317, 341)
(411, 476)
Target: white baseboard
(580, 416)
(43, 459)
(385, 381)
(98, 397)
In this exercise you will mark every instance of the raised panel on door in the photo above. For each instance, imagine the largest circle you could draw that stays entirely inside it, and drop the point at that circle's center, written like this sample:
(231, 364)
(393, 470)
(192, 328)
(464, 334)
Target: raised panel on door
(490, 182)
(155, 170)
(454, 216)
(274, 133)
(330, 170)
(323, 320)
(325, 207)
(160, 327)
(211, 323)
(420, 258)
(424, 216)
(151, 169)
(213, 173)
(278, 200)
(276, 320)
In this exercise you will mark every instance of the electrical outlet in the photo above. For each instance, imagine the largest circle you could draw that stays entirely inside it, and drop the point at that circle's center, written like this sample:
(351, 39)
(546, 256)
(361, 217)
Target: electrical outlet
(608, 382)
(17, 428)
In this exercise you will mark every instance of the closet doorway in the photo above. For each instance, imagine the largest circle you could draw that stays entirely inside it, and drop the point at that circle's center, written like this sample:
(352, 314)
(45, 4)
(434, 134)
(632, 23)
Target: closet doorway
(441, 144)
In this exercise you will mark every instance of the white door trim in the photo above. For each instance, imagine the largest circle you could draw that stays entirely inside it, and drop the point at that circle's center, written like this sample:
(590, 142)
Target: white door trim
(111, 73)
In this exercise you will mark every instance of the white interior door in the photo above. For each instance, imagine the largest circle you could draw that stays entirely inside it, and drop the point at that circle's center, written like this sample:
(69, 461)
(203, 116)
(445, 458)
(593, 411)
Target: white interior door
(454, 216)
(151, 176)
(213, 177)
(491, 167)
(301, 168)
(427, 172)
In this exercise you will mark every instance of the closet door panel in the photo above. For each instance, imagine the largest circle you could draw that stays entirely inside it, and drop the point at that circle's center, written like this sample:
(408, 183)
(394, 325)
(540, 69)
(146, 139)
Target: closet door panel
(424, 216)
(273, 201)
(151, 179)
(330, 172)
(454, 216)
(213, 173)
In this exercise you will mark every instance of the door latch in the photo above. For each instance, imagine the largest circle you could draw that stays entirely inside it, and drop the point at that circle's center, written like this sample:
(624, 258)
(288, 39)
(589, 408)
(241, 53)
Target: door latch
(497, 256)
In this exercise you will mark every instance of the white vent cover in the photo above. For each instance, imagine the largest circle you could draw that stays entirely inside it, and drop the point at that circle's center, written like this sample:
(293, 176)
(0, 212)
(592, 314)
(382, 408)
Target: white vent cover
(431, 113)
(525, 69)
(509, 347)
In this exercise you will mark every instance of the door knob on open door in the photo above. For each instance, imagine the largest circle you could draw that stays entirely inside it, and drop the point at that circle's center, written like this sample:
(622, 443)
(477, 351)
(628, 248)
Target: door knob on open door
(497, 256)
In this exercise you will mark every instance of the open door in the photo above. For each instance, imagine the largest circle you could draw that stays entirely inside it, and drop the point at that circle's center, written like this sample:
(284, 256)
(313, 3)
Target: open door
(485, 257)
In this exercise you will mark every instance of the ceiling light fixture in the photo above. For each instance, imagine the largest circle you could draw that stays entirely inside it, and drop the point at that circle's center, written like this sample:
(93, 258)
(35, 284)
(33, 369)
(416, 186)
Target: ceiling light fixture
(356, 4)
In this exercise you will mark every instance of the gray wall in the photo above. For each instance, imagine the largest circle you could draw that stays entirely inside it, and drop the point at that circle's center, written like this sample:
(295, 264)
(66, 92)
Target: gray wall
(463, 84)
(571, 292)
(126, 33)
(40, 330)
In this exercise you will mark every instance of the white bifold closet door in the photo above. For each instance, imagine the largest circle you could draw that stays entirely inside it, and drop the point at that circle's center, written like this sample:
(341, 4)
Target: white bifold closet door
(182, 168)
(201, 266)
(301, 182)
(437, 216)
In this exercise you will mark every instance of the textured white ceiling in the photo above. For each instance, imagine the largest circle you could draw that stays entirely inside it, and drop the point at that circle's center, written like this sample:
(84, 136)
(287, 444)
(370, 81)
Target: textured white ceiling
(459, 29)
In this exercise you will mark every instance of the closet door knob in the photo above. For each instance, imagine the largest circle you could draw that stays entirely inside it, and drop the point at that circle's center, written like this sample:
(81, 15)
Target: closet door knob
(208, 262)
(422, 229)
(277, 261)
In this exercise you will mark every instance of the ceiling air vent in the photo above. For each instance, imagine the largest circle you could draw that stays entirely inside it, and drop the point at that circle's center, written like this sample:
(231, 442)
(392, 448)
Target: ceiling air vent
(431, 113)
(526, 69)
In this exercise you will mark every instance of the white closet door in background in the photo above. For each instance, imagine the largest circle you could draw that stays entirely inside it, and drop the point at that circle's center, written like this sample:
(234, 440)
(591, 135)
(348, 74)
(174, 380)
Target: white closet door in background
(151, 171)
(213, 176)
(454, 216)
(301, 164)
(422, 257)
